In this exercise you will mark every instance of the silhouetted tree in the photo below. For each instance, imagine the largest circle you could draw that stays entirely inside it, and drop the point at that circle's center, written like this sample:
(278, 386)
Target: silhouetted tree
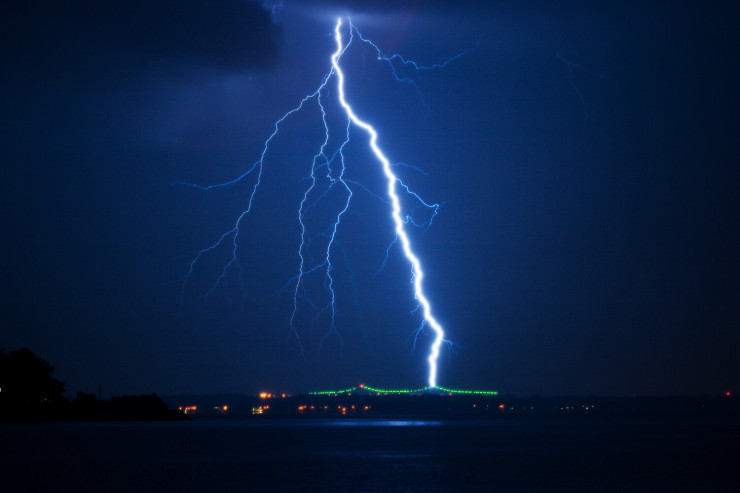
(29, 392)
(27, 389)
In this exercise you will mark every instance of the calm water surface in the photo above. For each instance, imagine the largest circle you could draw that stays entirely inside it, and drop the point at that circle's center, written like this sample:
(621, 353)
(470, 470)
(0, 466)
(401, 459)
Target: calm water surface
(232, 455)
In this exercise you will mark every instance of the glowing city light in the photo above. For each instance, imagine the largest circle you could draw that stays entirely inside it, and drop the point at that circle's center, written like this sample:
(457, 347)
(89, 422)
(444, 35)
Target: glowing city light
(328, 171)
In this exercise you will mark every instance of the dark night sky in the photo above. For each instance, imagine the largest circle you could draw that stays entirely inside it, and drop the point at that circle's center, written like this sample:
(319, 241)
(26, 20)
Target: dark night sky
(584, 246)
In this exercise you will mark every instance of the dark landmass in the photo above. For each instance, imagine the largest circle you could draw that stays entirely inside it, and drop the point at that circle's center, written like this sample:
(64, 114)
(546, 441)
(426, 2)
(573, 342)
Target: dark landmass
(28, 392)
(430, 405)
(86, 407)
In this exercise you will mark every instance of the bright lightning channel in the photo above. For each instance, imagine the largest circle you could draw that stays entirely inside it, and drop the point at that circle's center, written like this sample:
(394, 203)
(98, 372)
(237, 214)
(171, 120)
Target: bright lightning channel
(335, 178)
(417, 271)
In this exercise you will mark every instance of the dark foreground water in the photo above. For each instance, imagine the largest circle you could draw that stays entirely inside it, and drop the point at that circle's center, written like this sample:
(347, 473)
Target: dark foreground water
(349, 455)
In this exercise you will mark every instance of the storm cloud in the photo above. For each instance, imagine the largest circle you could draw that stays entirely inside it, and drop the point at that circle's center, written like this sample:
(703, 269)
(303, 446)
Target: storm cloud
(70, 36)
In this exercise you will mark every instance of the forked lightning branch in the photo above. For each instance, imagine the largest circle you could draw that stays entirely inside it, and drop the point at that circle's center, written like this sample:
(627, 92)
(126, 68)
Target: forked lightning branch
(328, 171)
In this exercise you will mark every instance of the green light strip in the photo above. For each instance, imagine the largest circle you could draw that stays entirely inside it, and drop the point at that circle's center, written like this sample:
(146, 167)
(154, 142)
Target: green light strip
(404, 391)
(330, 392)
(394, 391)
(475, 392)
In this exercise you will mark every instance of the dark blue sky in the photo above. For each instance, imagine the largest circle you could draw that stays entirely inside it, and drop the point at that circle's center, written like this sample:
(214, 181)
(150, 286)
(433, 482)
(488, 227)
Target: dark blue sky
(586, 157)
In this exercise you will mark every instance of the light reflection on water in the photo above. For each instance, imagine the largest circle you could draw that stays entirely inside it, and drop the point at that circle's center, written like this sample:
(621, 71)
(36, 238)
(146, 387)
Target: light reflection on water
(371, 454)
(310, 422)
(381, 422)
(234, 455)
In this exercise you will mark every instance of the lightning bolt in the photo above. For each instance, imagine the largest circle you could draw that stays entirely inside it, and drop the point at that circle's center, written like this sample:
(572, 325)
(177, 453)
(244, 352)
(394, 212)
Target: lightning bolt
(327, 176)
(418, 273)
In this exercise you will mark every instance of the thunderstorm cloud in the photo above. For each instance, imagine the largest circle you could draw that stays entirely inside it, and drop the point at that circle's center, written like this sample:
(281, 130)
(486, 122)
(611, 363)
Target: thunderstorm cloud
(233, 35)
